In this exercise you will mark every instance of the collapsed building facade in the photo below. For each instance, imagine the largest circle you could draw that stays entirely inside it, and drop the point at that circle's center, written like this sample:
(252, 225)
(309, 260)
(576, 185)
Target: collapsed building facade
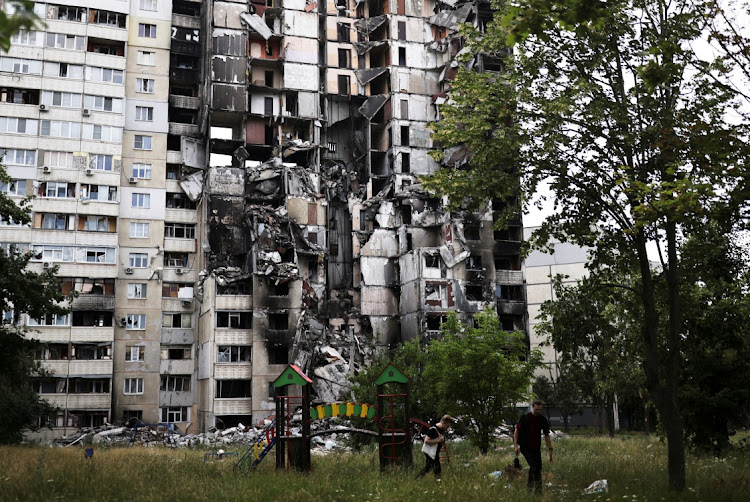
(285, 152)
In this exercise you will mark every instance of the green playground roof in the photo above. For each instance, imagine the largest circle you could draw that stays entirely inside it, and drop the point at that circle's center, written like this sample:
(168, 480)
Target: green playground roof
(391, 374)
(292, 375)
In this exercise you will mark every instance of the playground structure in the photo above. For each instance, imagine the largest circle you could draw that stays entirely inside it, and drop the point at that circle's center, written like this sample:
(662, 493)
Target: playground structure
(394, 430)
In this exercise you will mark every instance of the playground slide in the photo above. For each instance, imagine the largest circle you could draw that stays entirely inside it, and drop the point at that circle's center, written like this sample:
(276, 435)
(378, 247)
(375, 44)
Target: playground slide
(258, 450)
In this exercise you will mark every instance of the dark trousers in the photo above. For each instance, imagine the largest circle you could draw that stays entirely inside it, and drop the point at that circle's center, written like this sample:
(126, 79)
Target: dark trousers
(534, 459)
(431, 464)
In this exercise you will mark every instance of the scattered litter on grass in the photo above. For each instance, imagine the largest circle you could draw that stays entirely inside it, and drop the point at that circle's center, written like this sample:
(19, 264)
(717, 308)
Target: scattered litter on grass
(598, 486)
(496, 474)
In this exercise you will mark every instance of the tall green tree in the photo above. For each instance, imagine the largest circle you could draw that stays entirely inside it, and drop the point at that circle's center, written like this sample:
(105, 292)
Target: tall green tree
(21, 292)
(480, 372)
(609, 105)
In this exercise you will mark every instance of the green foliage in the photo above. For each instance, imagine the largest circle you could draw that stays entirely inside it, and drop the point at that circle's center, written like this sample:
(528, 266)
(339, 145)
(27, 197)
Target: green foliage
(480, 373)
(23, 292)
(24, 18)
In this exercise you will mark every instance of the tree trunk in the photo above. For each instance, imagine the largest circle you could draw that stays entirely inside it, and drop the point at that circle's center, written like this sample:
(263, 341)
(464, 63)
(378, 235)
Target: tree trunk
(566, 423)
(646, 421)
(610, 414)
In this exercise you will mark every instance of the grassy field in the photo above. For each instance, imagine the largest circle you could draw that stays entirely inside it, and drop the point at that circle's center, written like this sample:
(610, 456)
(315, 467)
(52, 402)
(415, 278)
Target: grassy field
(634, 466)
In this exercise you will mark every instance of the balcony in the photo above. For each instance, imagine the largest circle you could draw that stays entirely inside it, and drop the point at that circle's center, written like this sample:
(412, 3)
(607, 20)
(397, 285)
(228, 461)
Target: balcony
(79, 367)
(79, 401)
(92, 334)
(180, 245)
(233, 371)
(189, 102)
(233, 337)
(234, 302)
(172, 275)
(511, 307)
(94, 302)
(509, 277)
(178, 336)
(181, 215)
(233, 406)
(187, 48)
(184, 75)
(168, 398)
(186, 21)
(174, 157)
(179, 129)
(177, 367)
(105, 60)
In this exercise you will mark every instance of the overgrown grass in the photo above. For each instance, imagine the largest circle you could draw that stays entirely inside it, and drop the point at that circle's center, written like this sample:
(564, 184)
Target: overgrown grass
(634, 466)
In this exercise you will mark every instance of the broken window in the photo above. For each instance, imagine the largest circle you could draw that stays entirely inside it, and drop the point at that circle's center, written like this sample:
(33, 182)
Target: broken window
(344, 55)
(171, 383)
(508, 263)
(342, 30)
(233, 354)
(177, 320)
(53, 352)
(278, 321)
(405, 135)
(474, 262)
(278, 354)
(171, 289)
(432, 260)
(176, 353)
(402, 30)
(268, 106)
(175, 414)
(135, 321)
(281, 289)
(179, 201)
(175, 259)
(472, 232)
(344, 88)
(128, 415)
(434, 322)
(179, 230)
(405, 162)
(509, 293)
(474, 292)
(92, 318)
(134, 353)
(268, 78)
(435, 294)
(233, 388)
(51, 320)
(88, 386)
(508, 234)
(234, 320)
(402, 56)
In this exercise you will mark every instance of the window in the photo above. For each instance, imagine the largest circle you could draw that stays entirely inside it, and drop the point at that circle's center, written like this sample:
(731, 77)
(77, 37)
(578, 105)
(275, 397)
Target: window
(474, 262)
(278, 354)
(233, 388)
(278, 321)
(18, 65)
(176, 352)
(64, 99)
(404, 109)
(144, 85)
(402, 56)
(175, 383)
(51, 320)
(179, 230)
(172, 289)
(93, 223)
(344, 87)
(179, 414)
(19, 157)
(66, 13)
(147, 30)
(13, 188)
(233, 354)
(175, 259)
(109, 75)
(18, 125)
(342, 30)
(144, 113)
(405, 162)
(102, 133)
(113, 19)
(99, 192)
(100, 162)
(138, 230)
(179, 320)
(135, 321)
(146, 58)
(431, 261)
(148, 5)
(103, 103)
(141, 200)
(142, 171)
(24, 37)
(405, 135)
(99, 255)
(55, 221)
(402, 30)
(58, 159)
(60, 129)
(63, 41)
(179, 201)
(236, 320)
(133, 386)
(138, 260)
(137, 290)
(344, 58)
(268, 77)
(64, 70)
(57, 189)
(142, 142)
(52, 253)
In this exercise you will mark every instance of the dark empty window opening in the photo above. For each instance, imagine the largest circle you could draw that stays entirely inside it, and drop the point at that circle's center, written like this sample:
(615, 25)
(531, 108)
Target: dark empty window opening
(281, 289)
(508, 234)
(402, 56)
(405, 162)
(278, 321)
(474, 262)
(344, 58)
(292, 103)
(405, 135)
(471, 232)
(406, 214)
(343, 32)
(511, 293)
(508, 263)
(431, 261)
(402, 30)
(233, 388)
(269, 78)
(434, 322)
(268, 106)
(343, 81)
(234, 320)
(278, 354)
(473, 293)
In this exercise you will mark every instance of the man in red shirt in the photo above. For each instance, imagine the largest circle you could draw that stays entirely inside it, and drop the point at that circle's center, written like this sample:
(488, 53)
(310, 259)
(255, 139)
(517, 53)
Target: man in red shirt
(528, 439)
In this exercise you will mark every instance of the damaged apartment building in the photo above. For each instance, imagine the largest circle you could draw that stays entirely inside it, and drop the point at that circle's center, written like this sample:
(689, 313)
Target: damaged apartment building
(235, 186)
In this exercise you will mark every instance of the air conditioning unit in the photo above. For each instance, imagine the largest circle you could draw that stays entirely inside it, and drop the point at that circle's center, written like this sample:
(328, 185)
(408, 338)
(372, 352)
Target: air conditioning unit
(179, 271)
(122, 321)
(86, 112)
(47, 264)
(46, 169)
(89, 172)
(129, 270)
(133, 180)
(187, 303)
(42, 108)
